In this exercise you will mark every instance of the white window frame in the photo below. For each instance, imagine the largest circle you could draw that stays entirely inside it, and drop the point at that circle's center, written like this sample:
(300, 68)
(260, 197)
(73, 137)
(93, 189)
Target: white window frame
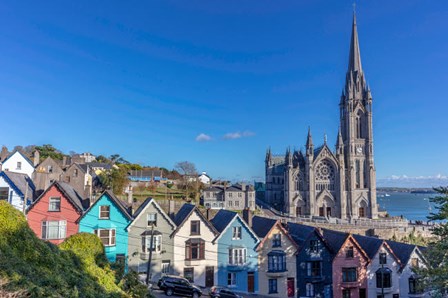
(61, 229)
(166, 267)
(309, 290)
(231, 279)
(101, 211)
(237, 256)
(112, 237)
(236, 235)
(53, 201)
(151, 219)
(19, 165)
(157, 243)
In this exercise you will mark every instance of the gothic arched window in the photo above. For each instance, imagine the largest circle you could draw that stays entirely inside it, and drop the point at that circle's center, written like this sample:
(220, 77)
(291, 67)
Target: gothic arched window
(324, 176)
(358, 125)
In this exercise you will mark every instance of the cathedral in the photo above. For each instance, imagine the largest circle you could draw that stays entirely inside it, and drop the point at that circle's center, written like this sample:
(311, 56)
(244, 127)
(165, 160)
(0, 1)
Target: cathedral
(326, 183)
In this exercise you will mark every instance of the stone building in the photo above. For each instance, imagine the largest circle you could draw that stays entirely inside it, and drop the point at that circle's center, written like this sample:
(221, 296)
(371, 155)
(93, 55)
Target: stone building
(234, 197)
(323, 182)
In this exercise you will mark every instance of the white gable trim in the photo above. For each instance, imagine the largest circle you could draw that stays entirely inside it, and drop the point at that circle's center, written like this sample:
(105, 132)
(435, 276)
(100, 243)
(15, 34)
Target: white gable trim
(157, 206)
(257, 240)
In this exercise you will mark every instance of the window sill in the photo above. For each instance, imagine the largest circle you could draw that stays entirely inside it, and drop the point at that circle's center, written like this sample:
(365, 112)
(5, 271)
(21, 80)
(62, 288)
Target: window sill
(54, 210)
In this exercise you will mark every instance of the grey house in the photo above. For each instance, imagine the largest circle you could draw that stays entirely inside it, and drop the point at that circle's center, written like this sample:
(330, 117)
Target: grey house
(150, 216)
(234, 197)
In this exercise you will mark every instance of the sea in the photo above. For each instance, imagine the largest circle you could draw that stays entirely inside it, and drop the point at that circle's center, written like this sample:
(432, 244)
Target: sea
(412, 206)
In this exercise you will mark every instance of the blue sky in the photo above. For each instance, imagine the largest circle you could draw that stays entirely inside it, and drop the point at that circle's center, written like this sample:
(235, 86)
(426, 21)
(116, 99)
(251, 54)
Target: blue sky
(144, 79)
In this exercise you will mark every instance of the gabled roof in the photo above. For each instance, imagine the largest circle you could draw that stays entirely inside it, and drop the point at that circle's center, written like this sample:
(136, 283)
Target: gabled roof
(18, 182)
(116, 201)
(262, 225)
(371, 245)
(224, 218)
(23, 155)
(402, 250)
(145, 204)
(282, 228)
(336, 241)
(185, 212)
(77, 201)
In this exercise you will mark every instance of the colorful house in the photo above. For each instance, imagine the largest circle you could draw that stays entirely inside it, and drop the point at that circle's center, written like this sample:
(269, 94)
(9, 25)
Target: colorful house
(196, 256)
(349, 265)
(150, 219)
(108, 218)
(314, 258)
(276, 257)
(55, 214)
(14, 187)
(237, 255)
(18, 162)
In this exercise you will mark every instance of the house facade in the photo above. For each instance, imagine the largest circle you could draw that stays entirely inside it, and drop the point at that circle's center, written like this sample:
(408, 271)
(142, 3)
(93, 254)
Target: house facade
(108, 218)
(17, 189)
(46, 173)
(195, 257)
(277, 260)
(80, 178)
(55, 214)
(314, 258)
(150, 219)
(237, 255)
(234, 197)
(17, 162)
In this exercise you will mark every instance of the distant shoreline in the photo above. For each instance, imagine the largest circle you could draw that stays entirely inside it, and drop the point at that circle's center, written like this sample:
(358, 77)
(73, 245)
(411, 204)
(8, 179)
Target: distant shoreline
(406, 190)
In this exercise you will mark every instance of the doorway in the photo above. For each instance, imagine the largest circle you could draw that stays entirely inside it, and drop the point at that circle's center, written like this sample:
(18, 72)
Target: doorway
(209, 276)
(250, 282)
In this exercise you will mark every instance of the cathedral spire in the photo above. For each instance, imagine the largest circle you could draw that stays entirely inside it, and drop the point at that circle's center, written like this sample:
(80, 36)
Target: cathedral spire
(354, 60)
(309, 140)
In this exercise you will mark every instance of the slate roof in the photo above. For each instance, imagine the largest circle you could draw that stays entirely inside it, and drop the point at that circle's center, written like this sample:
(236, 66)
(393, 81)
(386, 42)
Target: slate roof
(183, 212)
(370, 245)
(222, 219)
(298, 232)
(24, 156)
(141, 207)
(262, 225)
(402, 250)
(18, 182)
(124, 208)
(334, 239)
(103, 165)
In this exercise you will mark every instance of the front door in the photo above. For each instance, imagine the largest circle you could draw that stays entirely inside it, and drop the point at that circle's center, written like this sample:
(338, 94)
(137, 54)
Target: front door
(209, 276)
(321, 211)
(328, 211)
(250, 282)
(291, 287)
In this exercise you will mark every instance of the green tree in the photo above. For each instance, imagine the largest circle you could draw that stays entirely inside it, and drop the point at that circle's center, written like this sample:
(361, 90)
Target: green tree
(47, 150)
(435, 277)
(115, 179)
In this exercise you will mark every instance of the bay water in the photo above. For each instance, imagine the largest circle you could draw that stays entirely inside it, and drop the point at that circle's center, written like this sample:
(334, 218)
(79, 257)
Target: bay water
(412, 206)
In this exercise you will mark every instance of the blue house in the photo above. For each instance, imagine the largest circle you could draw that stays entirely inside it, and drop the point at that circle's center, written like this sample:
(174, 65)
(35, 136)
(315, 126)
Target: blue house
(108, 218)
(314, 261)
(237, 257)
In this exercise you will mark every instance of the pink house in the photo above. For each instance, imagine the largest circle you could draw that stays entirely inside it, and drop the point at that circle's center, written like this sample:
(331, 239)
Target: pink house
(54, 215)
(349, 265)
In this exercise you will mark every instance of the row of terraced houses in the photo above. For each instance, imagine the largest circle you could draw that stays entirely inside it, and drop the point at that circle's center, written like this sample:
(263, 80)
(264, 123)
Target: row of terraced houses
(250, 254)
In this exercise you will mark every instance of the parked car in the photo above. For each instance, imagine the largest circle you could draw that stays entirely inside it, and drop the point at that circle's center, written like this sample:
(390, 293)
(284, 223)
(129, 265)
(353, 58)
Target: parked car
(179, 286)
(223, 292)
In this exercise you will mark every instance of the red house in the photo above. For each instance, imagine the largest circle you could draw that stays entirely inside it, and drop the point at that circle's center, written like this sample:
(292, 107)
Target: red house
(54, 215)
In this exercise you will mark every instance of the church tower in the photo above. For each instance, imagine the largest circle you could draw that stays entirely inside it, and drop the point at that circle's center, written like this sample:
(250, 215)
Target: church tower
(357, 138)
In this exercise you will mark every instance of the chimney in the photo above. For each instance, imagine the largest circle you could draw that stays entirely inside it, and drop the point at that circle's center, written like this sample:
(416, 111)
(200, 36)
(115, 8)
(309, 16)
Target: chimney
(64, 161)
(36, 158)
(247, 216)
(243, 186)
(208, 214)
(171, 207)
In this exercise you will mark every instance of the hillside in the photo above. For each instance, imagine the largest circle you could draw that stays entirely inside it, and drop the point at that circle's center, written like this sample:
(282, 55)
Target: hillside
(78, 268)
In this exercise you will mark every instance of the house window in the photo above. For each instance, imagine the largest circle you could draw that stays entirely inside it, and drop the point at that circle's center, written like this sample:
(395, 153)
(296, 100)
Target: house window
(230, 195)
(152, 219)
(104, 212)
(237, 256)
(19, 165)
(156, 243)
(240, 195)
(276, 261)
(231, 279)
(236, 233)
(75, 173)
(194, 249)
(383, 278)
(54, 229)
(383, 258)
(349, 252)
(277, 240)
(349, 275)
(54, 204)
(195, 227)
(414, 285)
(230, 203)
(4, 193)
(313, 268)
(273, 286)
(414, 263)
(166, 266)
(314, 246)
(189, 274)
(50, 169)
(309, 290)
(237, 203)
(107, 236)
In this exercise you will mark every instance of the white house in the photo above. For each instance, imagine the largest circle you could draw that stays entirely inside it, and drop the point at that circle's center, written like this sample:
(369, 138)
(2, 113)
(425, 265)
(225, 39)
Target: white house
(195, 256)
(14, 187)
(204, 178)
(18, 163)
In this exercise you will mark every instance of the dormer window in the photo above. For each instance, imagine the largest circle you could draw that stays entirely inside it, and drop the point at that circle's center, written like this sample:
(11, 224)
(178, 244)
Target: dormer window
(104, 212)
(349, 252)
(152, 219)
(54, 204)
(195, 227)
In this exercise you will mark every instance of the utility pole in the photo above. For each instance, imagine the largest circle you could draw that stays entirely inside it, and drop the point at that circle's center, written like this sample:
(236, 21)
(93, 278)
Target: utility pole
(382, 280)
(148, 268)
(24, 198)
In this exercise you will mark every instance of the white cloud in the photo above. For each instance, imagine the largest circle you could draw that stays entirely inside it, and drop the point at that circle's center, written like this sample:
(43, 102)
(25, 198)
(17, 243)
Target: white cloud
(238, 135)
(202, 137)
